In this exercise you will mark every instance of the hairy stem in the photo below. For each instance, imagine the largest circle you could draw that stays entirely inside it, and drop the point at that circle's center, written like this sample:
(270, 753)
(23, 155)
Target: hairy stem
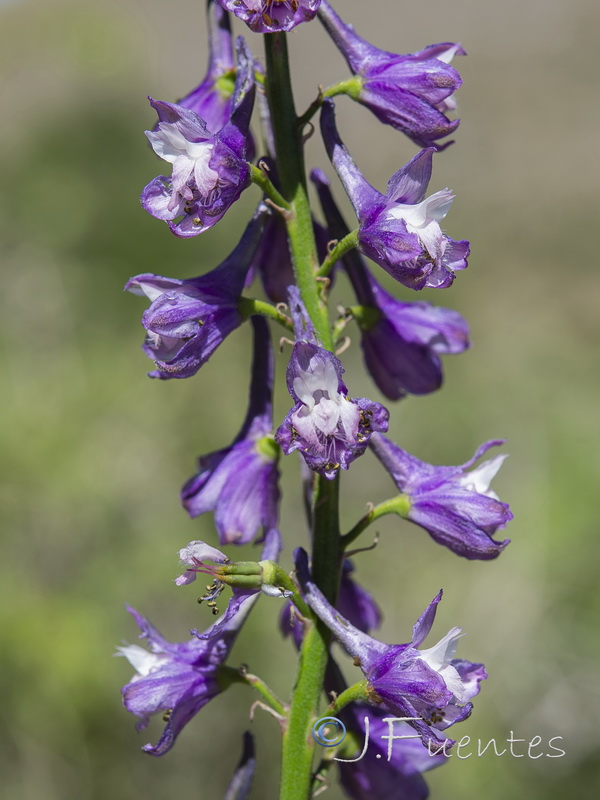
(298, 743)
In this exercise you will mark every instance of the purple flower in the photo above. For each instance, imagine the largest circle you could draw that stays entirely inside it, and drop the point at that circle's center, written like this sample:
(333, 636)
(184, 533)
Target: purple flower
(210, 170)
(328, 427)
(455, 506)
(373, 776)
(353, 602)
(188, 319)
(409, 92)
(402, 342)
(400, 230)
(177, 679)
(212, 99)
(429, 686)
(270, 16)
(239, 483)
(241, 782)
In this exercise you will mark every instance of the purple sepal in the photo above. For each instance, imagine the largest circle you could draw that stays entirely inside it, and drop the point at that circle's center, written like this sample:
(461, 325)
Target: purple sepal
(210, 100)
(178, 679)
(241, 782)
(188, 319)
(400, 230)
(240, 482)
(410, 92)
(210, 170)
(454, 505)
(266, 16)
(401, 342)
(409, 682)
(373, 776)
(328, 427)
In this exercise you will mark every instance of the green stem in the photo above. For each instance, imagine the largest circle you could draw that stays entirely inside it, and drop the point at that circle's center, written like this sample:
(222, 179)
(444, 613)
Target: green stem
(290, 163)
(230, 675)
(350, 87)
(342, 247)
(298, 743)
(248, 306)
(349, 695)
(395, 505)
(260, 178)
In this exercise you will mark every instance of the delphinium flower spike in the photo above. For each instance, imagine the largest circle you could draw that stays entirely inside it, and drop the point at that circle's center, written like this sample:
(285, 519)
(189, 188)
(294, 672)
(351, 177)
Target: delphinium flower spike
(400, 230)
(410, 92)
(240, 482)
(455, 505)
(402, 341)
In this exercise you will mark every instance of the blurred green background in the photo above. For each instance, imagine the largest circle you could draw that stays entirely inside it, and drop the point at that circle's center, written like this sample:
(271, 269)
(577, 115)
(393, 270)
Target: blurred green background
(94, 453)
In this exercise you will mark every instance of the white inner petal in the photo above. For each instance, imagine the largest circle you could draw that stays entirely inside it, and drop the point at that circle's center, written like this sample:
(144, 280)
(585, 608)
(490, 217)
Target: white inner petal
(439, 657)
(433, 208)
(324, 409)
(479, 479)
(141, 660)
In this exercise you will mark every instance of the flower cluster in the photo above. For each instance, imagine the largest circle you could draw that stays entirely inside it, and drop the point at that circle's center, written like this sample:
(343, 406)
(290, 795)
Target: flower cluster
(296, 252)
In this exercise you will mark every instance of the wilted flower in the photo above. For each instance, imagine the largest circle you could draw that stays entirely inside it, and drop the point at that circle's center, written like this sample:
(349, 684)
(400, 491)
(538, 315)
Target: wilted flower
(455, 506)
(210, 170)
(400, 230)
(410, 92)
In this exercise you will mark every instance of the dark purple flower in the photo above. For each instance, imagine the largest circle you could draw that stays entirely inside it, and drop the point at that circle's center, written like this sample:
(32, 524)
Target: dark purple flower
(270, 16)
(239, 483)
(176, 679)
(455, 506)
(212, 99)
(402, 342)
(410, 92)
(353, 602)
(241, 782)
(188, 319)
(328, 427)
(374, 776)
(430, 687)
(400, 230)
(210, 170)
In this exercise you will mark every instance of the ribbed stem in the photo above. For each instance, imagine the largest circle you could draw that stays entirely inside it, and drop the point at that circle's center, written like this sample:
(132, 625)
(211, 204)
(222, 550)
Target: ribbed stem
(298, 743)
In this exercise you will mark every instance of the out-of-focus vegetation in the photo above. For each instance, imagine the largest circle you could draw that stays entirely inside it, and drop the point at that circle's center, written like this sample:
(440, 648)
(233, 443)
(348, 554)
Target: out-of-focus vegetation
(93, 453)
